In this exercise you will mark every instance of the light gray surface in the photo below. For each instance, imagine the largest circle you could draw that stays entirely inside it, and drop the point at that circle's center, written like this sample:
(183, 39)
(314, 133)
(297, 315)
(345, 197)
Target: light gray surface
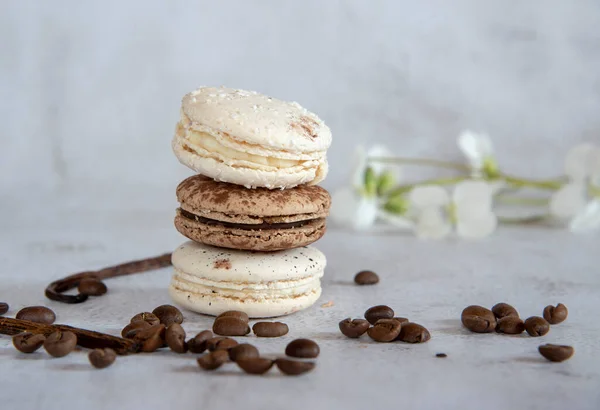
(429, 282)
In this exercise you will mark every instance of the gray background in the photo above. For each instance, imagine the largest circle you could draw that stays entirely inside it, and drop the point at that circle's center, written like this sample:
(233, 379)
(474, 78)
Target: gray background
(91, 90)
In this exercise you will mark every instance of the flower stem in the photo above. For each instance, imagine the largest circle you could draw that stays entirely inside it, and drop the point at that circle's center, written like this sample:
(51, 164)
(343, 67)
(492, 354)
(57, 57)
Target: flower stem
(529, 220)
(402, 189)
(525, 201)
(421, 161)
(551, 185)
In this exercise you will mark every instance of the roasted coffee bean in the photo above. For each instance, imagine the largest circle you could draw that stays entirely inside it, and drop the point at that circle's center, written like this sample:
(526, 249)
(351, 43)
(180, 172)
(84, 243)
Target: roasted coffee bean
(230, 326)
(501, 310)
(478, 319)
(235, 313)
(151, 338)
(167, 315)
(442, 355)
(385, 330)
(220, 343)
(304, 348)
(131, 329)
(555, 314)
(511, 325)
(101, 358)
(243, 351)
(3, 308)
(175, 338)
(537, 326)
(556, 353)
(270, 329)
(92, 287)
(255, 365)
(402, 320)
(413, 333)
(60, 344)
(354, 328)
(293, 367)
(213, 360)
(38, 314)
(375, 313)
(198, 343)
(366, 277)
(146, 317)
(28, 342)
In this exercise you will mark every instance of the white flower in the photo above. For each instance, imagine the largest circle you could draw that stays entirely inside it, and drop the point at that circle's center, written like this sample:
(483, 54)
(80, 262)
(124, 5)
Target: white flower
(479, 150)
(469, 211)
(578, 201)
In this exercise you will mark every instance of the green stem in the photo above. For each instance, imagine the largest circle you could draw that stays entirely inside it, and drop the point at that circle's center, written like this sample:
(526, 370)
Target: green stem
(402, 189)
(529, 220)
(551, 185)
(421, 161)
(514, 200)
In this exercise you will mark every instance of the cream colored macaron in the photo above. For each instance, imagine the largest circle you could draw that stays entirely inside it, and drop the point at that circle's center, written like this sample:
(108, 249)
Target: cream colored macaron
(249, 139)
(213, 280)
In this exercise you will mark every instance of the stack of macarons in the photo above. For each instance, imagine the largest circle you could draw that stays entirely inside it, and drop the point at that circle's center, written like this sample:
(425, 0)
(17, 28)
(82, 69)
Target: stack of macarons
(254, 208)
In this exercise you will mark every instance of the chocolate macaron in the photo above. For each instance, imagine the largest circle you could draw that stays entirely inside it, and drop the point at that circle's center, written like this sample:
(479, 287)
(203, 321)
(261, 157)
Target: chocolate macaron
(231, 216)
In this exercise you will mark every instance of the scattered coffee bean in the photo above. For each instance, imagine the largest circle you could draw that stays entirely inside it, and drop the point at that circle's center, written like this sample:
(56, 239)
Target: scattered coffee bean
(92, 287)
(175, 338)
(402, 320)
(101, 358)
(413, 333)
(146, 317)
(38, 314)
(537, 326)
(478, 319)
(60, 344)
(385, 330)
(220, 343)
(243, 351)
(28, 342)
(152, 338)
(167, 315)
(511, 325)
(441, 355)
(366, 277)
(501, 310)
(555, 314)
(304, 348)
(556, 353)
(131, 329)
(293, 367)
(375, 313)
(198, 344)
(3, 308)
(230, 326)
(255, 365)
(235, 313)
(270, 329)
(213, 360)
(354, 328)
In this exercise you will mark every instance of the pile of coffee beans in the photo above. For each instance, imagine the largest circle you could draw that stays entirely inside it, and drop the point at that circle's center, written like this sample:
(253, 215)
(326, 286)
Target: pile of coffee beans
(386, 327)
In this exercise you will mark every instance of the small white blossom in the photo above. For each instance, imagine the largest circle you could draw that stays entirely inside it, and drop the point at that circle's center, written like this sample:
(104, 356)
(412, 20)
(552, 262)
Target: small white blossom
(479, 151)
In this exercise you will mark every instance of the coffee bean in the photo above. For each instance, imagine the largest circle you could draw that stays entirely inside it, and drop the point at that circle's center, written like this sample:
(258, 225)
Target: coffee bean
(38, 314)
(402, 320)
(167, 315)
(270, 329)
(442, 355)
(28, 342)
(3, 308)
(152, 338)
(220, 343)
(243, 351)
(478, 319)
(413, 333)
(101, 358)
(131, 329)
(60, 344)
(354, 328)
(501, 310)
(511, 325)
(556, 353)
(198, 343)
(255, 365)
(92, 287)
(555, 315)
(293, 367)
(375, 313)
(304, 348)
(146, 317)
(385, 330)
(537, 326)
(366, 277)
(230, 326)
(175, 338)
(213, 360)
(235, 313)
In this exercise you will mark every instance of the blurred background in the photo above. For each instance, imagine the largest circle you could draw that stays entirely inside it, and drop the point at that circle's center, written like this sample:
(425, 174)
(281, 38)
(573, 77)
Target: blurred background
(91, 90)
